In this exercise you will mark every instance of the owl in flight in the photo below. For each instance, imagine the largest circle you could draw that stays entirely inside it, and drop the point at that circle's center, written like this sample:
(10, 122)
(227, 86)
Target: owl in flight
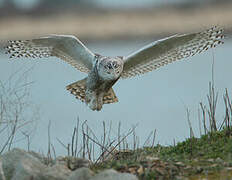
(103, 72)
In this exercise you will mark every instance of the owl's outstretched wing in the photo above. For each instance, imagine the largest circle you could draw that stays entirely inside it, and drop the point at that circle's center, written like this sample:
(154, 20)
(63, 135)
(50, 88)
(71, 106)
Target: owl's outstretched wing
(170, 49)
(65, 47)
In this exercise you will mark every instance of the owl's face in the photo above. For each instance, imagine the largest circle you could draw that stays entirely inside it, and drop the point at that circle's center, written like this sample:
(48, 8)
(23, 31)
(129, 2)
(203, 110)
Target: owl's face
(110, 68)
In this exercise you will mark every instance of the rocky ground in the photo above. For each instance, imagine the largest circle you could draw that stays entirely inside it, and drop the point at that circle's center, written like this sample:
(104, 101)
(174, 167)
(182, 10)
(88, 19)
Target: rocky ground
(208, 157)
(21, 165)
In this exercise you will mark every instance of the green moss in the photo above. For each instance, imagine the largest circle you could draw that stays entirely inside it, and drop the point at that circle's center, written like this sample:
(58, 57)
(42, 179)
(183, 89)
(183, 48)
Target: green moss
(195, 157)
(214, 145)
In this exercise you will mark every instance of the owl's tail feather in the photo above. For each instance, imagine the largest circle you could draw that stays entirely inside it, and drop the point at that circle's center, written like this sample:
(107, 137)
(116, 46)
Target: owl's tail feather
(110, 97)
(78, 89)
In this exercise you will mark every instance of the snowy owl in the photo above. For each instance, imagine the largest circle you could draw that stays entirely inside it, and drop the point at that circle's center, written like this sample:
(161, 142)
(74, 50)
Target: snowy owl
(103, 72)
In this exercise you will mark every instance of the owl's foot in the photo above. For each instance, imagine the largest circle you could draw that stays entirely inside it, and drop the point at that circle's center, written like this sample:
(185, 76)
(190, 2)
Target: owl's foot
(99, 107)
(89, 95)
(100, 101)
(93, 104)
(94, 100)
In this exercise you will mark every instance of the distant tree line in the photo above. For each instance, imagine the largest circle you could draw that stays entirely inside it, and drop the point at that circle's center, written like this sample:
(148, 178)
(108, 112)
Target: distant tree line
(12, 7)
(44, 7)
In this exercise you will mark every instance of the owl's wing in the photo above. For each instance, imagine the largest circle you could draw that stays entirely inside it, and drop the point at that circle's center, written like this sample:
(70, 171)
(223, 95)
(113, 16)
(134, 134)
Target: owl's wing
(65, 47)
(170, 49)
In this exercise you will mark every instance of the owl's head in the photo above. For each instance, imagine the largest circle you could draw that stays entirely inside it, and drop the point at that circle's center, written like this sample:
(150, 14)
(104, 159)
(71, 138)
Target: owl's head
(110, 68)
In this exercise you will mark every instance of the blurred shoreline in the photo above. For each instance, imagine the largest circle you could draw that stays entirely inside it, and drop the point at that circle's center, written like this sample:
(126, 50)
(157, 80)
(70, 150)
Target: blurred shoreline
(110, 25)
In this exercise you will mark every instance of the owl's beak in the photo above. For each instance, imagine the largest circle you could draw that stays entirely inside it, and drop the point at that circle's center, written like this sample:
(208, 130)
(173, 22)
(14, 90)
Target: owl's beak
(115, 73)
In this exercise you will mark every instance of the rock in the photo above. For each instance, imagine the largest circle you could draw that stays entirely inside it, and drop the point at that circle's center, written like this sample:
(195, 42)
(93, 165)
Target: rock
(153, 159)
(28, 168)
(211, 160)
(228, 168)
(21, 165)
(140, 170)
(75, 163)
(16, 161)
(180, 164)
(219, 160)
(81, 174)
(57, 172)
(111, 174)
(2, 175)
(199, 170)
(214, 165)
(38, 156)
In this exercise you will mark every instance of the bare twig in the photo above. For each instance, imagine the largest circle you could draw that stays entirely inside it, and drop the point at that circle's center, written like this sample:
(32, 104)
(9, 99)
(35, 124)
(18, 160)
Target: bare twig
(212, 100)
(49, 156)
(147, 141)
(199, 121)
(204, 118)
(228, 111)
(84, 139)
(119, 128)
(73, 138)
(77, 135)
(104, 135)
(54, 151)
(153, 140)
(28, 139)
(100, 145)
(134, 140)
(189, 123)
(14, 107)
(119, 142)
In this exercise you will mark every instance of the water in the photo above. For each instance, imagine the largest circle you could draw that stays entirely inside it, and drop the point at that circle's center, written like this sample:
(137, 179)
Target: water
(156, 100)
(135, 3)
